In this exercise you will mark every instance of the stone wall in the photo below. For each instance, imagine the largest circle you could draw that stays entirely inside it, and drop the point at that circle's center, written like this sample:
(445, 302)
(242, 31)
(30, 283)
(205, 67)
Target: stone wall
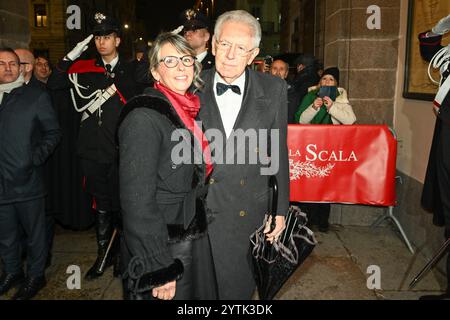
(367, 58)
(14, 30)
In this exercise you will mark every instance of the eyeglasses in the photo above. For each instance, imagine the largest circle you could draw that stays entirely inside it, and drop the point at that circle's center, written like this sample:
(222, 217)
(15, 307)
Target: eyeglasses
(172, 61)
(12, 64)
(40, 64)
(241, 51)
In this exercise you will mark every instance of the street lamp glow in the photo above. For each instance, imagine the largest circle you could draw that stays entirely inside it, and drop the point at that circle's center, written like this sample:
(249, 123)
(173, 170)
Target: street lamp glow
(126, 26)
(140, 39)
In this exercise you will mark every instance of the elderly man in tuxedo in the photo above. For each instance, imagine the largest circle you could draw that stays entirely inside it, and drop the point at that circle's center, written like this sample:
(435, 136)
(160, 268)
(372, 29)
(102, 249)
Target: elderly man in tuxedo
(239, 106)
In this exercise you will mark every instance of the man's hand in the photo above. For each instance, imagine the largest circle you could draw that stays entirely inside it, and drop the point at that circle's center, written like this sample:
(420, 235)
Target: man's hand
(443, 26)
(165, 292)
(79, 48)
(280, 225)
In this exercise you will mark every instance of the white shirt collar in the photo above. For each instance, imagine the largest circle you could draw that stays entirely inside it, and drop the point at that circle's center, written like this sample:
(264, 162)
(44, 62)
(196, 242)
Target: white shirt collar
(240, 82)
(229, 103)
(201, 56)
(112, 63)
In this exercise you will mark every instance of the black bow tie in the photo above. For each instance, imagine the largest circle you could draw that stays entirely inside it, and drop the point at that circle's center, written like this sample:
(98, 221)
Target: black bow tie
(221, 88)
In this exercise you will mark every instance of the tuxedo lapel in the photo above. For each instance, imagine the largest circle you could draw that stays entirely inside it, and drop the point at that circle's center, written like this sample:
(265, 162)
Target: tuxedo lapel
(209, 111)
(252, 108)
(250, 114)
(253, 104)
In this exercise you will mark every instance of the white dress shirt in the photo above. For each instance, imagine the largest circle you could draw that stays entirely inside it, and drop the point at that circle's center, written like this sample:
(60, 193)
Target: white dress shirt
(112, 63)
(229, 103)
(201, 56)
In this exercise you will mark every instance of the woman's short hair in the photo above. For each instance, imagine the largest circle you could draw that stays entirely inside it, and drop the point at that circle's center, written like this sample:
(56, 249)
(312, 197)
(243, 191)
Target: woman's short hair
(240, 16)
(182, 46)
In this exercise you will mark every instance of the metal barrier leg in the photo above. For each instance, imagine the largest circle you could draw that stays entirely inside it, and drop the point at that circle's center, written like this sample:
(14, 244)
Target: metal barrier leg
(399, 226)
(379, 220)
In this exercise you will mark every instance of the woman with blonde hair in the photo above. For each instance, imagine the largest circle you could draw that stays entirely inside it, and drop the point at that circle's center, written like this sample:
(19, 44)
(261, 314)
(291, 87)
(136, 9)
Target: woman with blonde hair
(165, 246)
(323, 110)
(319, 108)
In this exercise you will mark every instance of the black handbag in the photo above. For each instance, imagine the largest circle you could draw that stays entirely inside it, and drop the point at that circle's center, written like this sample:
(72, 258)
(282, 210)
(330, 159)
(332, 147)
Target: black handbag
(273, 263)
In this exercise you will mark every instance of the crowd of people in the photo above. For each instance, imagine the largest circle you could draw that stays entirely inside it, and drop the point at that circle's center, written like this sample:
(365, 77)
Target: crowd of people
(170, 229)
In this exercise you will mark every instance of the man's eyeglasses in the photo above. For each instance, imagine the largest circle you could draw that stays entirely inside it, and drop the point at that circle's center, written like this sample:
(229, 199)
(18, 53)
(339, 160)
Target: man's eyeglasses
(12, 64)
(172, 61)
(241, 51)
(44, 65)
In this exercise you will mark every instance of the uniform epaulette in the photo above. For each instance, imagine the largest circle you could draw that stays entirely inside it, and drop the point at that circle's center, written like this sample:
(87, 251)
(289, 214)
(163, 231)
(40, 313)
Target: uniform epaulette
(85, 66)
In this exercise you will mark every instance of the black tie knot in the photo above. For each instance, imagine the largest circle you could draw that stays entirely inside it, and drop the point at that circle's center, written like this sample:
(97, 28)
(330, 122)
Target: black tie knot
(221, 88)
(108, 68)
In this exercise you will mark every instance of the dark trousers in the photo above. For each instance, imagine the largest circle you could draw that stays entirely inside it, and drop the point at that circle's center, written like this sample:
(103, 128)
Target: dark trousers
(30, 217)
(102, 183)
(317, 213)
(443, 179)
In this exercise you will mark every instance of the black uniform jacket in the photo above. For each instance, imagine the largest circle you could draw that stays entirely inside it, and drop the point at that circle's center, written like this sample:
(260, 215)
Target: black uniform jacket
(431, 199)
(208, 62)
(162, 200)
(96, 139)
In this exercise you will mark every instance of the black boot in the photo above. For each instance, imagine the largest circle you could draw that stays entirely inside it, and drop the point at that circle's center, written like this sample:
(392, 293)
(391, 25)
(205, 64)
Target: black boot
(103, 228)
(324, 215)
(9, 281)
(30, 288)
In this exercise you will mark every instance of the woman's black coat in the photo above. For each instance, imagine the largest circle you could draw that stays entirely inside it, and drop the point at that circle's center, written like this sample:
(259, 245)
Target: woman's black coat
(162, 201)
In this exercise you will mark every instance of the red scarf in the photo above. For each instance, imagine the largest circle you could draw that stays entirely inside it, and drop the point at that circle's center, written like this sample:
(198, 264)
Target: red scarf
(187, 107)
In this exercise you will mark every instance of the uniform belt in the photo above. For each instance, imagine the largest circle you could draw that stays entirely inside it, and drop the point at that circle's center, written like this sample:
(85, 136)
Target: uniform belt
(99, 101)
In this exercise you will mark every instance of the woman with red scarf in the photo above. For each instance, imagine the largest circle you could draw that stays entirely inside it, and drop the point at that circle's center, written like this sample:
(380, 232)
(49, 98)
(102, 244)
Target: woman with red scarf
(163, 167)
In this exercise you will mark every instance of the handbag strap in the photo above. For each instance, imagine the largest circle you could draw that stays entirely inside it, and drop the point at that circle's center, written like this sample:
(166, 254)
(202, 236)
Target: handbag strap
(274, 184)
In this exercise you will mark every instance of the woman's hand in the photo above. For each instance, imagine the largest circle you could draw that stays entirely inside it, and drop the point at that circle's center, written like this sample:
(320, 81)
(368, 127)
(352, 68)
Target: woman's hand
(165, 292)
(328, 103)
(317, 103)
(280, 225)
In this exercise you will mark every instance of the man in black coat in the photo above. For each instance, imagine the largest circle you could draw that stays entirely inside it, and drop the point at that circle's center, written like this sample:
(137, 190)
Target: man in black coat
(436, 190)
(306, 77)
(29, 133)
(100, 88)
(196, 31)
(236, 101)
(27, 63)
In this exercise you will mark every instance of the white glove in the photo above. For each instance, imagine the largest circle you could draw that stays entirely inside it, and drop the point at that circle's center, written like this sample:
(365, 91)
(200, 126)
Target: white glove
(79, 48)
(178, 30)
(443, 26)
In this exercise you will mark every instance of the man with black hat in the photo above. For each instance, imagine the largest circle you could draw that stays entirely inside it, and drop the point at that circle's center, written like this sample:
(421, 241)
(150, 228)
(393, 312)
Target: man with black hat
(195, 30)
(99, 88)
(306, 77)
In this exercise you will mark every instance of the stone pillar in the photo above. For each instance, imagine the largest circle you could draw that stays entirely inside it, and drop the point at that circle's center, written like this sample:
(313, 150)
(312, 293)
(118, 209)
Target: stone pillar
(367, 58)
(14, 28)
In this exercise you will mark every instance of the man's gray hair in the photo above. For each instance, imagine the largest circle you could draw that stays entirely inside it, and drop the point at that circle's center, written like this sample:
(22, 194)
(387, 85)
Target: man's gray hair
(243, 17)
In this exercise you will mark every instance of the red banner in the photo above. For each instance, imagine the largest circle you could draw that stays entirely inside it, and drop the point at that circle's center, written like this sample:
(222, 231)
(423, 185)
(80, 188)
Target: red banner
(342, 164)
